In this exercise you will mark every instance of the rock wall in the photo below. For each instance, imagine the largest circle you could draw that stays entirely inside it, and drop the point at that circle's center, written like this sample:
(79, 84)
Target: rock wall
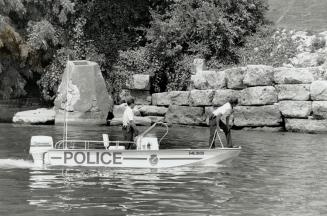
(138, 87)
(284, 98)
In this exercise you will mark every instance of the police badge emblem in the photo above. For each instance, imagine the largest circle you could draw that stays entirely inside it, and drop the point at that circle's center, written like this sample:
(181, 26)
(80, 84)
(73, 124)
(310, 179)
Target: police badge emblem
(153, 159)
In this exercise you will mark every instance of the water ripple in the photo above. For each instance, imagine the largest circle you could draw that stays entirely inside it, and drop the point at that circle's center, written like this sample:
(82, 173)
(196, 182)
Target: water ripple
(276, 174)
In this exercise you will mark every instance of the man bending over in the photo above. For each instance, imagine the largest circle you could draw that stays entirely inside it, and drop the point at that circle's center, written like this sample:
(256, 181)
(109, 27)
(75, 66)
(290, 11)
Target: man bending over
(216, 122)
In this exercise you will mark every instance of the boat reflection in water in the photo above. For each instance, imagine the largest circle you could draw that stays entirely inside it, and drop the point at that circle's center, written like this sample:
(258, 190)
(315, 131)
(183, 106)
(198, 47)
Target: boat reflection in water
(122, 189)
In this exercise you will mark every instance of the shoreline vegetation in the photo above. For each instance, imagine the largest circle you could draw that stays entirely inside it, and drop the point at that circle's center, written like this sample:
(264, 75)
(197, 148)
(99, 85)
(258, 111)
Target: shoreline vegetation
(162, 41)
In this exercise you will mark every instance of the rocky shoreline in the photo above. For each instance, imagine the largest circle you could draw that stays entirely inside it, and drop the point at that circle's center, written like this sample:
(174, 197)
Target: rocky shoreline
(272, 99)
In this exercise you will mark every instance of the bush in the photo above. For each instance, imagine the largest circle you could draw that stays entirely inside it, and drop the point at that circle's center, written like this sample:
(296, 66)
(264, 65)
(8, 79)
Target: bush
(196, 28)
(160, 38)
(129, 62)
(78, 48)
(268, 46)
(321, 60)
(318, 43)
(43, 33)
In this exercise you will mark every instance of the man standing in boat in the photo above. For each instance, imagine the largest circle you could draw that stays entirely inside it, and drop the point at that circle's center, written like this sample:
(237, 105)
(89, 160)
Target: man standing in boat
(216, 123)
(129, 127)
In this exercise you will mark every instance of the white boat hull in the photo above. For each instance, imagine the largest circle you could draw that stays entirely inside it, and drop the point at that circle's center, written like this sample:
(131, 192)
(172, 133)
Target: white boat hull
(138, 158)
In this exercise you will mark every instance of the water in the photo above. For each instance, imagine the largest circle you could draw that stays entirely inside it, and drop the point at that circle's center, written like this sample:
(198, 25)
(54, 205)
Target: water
(276, 174)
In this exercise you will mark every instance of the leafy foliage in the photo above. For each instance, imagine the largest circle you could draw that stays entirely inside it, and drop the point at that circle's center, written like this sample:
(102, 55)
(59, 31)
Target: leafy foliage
(131, 62)
(318, 43)
(268, 46)
(7, 6)
(13, 54)
(211, 29)
(29, 35)
(78, 48)
(40, 34)
(160, 38)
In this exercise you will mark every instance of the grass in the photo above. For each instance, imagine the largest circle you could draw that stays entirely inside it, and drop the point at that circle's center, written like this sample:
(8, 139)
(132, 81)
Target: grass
(308, 15)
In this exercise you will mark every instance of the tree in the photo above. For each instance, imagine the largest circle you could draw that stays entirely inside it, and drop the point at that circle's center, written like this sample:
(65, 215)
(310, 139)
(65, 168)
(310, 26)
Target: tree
(157, 37)
(210, 29)
(36, 38)
(30, 32)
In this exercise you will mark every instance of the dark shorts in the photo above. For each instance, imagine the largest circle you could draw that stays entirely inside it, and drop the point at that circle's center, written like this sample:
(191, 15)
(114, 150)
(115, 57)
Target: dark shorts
(223, 126)
(128, 135)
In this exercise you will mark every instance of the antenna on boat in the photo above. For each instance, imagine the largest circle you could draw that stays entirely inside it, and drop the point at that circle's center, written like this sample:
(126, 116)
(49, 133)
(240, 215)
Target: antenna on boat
(65, 132)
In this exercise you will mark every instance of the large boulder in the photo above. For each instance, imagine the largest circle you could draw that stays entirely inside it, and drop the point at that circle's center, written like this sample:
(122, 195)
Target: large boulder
(234, 78)
(139, 120)
(258, 75)
(319, 73)
(298, 92)
(265, 128)
(306, 125)
(318, 90)
(308, 59)
(208, 79)
(168, 98)
(141, 97)
(222, 96)
(155, 119)
(142, 120)
(8, 108)
(83, 92)
(255, 116)
(201, 97)
(38, 116)
(304, 40)
(319, 109)
(148, 110)
(295, 109)
(261, 95)
(185, 115)
(198, 66)
(139, 82)
(287, 75)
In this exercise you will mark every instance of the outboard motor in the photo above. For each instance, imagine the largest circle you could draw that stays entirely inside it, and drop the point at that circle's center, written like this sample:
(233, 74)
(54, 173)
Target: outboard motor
(39, 146)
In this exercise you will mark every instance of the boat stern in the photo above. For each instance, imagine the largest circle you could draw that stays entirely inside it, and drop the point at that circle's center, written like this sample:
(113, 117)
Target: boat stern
(39, 147)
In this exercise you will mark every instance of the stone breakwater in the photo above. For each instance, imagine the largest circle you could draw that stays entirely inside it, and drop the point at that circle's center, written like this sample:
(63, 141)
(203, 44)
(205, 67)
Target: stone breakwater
(275, 99)
(291, 99)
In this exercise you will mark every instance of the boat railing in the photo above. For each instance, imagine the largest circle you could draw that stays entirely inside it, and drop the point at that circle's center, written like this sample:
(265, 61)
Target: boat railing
(152, 127)
(87, 144)
(93, 144)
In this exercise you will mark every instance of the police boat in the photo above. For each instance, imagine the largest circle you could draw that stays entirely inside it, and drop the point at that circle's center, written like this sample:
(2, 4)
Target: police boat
(107, 153)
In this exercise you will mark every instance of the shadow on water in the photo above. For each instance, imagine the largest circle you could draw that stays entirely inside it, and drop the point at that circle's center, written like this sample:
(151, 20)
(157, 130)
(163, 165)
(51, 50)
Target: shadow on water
(275, 174)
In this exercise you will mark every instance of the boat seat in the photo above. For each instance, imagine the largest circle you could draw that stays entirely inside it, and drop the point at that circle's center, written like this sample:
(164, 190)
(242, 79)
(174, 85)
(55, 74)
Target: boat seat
(115, 147)
(105, 140)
